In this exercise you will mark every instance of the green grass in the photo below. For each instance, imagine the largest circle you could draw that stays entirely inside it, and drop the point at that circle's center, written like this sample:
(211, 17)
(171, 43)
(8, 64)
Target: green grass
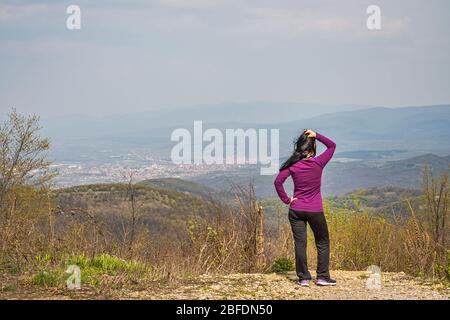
(8, 288)
(106, 265)
(10, 268)
(91, 269)
(48, 277)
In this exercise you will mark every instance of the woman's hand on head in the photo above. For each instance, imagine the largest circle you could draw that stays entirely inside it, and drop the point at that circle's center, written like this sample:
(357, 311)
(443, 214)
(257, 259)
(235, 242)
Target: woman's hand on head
(310, 133)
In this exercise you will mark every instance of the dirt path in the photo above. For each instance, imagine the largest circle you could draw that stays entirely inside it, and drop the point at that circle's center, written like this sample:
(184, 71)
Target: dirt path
(351, 285)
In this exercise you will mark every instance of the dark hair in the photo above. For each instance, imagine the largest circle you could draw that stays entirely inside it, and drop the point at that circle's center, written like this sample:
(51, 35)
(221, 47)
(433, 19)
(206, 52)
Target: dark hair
(304, 146)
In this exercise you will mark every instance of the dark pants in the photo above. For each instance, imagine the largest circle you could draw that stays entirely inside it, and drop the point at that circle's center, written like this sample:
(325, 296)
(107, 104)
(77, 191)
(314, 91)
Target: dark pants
(318, 224)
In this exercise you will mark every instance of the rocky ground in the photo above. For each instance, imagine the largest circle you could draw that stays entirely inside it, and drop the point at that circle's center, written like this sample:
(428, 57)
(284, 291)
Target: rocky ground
(351, 285)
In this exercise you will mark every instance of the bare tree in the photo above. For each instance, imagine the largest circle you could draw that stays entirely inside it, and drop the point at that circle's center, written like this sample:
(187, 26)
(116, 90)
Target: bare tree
(252, 224)
(436, 192)
(22, 159)
(130, 227)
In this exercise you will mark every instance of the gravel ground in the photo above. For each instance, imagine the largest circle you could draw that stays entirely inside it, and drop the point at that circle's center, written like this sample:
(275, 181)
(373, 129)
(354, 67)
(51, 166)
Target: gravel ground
(350, 285)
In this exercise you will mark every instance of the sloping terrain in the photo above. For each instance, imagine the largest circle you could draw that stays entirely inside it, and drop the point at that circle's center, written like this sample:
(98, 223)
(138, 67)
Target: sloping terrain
(162, 211)
(188, 187)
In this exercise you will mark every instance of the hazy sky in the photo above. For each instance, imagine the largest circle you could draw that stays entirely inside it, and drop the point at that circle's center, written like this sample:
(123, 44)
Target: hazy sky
(139, 55)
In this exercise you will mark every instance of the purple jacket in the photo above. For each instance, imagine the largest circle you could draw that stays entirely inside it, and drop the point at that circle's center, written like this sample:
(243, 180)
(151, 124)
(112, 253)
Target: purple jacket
(306, 174)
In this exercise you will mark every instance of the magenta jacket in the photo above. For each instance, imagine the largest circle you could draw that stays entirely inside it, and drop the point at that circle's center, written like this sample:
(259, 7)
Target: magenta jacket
(307, 175)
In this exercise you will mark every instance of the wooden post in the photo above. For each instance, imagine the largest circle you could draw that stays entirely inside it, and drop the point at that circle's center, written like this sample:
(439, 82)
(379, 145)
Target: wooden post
(278, 219)
(260, 261)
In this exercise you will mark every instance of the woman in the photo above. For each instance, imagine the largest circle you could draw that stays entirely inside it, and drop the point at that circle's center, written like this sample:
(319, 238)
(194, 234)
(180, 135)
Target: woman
(306, 204)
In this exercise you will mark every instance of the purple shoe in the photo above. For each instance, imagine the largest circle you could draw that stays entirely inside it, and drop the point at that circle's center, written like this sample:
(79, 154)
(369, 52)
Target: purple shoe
(303, 283)
(325, 282)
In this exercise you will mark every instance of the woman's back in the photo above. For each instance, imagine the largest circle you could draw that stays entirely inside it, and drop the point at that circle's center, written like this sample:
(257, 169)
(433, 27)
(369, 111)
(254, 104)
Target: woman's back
(306, 175)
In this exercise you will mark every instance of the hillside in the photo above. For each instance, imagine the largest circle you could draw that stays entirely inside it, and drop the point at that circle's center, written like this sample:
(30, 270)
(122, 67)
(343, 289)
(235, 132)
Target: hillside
(161, 210)
(159, 200)
(188, 187)
(385, 201)
(375, 199)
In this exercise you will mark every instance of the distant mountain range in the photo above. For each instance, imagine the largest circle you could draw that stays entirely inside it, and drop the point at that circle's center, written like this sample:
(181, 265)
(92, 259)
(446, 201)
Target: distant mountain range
(262, 112)
(413, 130)
(425, 129)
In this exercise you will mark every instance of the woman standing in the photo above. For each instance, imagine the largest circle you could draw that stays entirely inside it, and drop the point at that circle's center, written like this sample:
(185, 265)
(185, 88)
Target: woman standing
(306, 204)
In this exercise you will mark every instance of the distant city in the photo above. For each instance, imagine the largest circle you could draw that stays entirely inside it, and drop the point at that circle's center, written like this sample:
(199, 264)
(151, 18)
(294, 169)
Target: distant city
(76, 173)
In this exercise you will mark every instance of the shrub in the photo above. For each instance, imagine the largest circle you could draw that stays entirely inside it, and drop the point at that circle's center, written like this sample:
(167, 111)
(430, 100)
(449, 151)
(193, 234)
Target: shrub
(282, 265)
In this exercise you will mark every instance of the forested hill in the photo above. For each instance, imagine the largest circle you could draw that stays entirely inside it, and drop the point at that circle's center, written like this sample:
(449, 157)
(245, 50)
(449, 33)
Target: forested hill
(188, 187)
(163, 210)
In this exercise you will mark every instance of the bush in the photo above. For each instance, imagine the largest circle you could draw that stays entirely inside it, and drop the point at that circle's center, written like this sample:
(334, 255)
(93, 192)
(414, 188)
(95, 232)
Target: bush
(282, 265)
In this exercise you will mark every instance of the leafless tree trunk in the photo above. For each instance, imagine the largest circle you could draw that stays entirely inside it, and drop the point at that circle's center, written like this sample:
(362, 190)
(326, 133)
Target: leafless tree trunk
(132, 225)
(252, 217)
(260, 258)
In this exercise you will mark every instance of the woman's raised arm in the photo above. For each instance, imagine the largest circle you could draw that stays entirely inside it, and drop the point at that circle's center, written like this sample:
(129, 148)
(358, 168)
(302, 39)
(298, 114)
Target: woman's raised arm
(327, 154)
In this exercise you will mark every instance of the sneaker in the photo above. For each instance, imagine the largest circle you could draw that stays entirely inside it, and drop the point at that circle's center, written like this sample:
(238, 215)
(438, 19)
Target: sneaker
(303, 283)
(325, 282)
